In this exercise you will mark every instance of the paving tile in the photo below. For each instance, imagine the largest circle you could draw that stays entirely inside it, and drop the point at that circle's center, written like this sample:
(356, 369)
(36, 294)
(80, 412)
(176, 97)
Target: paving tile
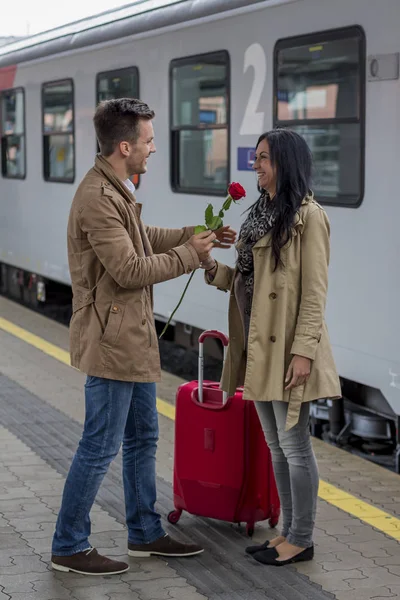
(347, 560)
(389, 561)
(338, 580)
(311, 569)
(11, 540)
(164, 572)
(17, 583)
(74, 580)
(378, 550)
(7, 477)
(337, 527)
(45, 531)
(28, 461)
(51, 587)
(98, 591)
(16, 493)
(3, 521)
(24, 564)
(186, 593)
(39, 545)
(102, 539)
(329, 544)
(394, 589)
(373, 577)
(366, 594)
(50, 487)
(32, 524)
(12, 505)
(40, 474)
(7, 554)
(38, 596)
(129, 596)
(102, 523)
(156, 589)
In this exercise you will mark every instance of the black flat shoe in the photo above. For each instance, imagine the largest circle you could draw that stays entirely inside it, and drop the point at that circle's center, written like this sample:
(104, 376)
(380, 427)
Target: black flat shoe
(258, 548)
(270, 556)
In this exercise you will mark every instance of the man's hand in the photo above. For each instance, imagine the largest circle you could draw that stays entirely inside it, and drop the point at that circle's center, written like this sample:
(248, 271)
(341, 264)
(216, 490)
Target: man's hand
(203, 243)
(298, 372)
(226, 237)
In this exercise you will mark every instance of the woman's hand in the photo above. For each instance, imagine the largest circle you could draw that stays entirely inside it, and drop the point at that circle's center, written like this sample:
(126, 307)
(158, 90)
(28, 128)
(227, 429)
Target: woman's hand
(208, 264)
(226, 237)
(298, 372)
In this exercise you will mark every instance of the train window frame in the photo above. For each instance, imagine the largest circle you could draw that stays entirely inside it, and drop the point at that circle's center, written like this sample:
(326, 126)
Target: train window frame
(176, 129)
(4, 137)
(45, 135)
(313, 39)
(116, 72)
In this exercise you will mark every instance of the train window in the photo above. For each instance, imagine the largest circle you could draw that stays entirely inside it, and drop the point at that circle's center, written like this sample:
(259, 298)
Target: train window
(200, 124)
(13, 153)
(120, 83)
(58, 131)
(320, 93)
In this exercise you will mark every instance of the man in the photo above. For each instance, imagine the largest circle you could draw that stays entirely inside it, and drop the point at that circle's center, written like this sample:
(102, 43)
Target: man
(114, 261)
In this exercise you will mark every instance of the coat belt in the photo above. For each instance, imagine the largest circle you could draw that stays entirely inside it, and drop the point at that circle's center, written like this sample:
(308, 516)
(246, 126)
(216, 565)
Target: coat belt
(295, 402)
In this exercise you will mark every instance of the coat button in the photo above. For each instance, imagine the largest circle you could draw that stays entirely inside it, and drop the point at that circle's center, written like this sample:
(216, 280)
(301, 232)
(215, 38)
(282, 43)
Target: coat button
(272, 338)
(144, 321)
(115, 308)
(273, 296)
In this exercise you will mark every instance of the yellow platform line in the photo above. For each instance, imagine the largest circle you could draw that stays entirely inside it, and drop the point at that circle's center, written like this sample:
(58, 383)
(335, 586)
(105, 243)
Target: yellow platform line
(164, 408)
(377, 518)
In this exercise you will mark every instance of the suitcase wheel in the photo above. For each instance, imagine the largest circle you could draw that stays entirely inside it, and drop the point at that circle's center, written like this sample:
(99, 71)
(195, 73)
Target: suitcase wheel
(273, 522)
(250, 529)
(174, 516)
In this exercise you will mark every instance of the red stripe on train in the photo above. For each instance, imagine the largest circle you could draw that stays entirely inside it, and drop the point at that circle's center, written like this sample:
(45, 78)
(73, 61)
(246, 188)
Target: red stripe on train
(7, 77)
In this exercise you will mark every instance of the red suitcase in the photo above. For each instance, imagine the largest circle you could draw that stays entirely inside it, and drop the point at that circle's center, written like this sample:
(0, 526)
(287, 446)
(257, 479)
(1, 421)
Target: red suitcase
(222, 465)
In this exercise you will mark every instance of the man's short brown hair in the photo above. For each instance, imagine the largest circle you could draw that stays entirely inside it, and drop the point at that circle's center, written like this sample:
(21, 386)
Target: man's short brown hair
(118, 120)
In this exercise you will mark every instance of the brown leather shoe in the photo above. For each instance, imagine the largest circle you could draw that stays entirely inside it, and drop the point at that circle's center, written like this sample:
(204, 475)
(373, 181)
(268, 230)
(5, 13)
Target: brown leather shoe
(89, 562)
(164, 546)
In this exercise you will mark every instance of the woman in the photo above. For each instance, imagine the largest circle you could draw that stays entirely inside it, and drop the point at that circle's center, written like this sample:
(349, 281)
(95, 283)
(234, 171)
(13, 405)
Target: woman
(279, 346)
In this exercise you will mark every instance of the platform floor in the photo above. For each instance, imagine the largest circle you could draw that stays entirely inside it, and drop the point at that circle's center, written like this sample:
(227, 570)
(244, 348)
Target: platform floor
(41, 412)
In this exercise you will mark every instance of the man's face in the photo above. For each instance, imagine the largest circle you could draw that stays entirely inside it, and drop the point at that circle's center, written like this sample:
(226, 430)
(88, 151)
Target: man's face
(139, 152)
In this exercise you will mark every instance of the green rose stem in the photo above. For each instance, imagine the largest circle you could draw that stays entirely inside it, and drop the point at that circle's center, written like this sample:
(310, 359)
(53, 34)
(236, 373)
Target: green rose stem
(213, 222)
(178, 305)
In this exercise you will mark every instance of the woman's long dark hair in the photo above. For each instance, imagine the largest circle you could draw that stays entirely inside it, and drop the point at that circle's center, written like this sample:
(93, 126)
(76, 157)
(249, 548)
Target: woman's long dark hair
(291, 158)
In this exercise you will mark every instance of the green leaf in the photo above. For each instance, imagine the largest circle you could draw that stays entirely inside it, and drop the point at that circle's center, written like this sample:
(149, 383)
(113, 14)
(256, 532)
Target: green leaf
(209, 214)
(215, 223)
(199, 229)
(221, 214)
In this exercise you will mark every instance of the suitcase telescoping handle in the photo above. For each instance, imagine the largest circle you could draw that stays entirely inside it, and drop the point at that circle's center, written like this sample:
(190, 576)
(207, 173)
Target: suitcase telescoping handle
(212, 333)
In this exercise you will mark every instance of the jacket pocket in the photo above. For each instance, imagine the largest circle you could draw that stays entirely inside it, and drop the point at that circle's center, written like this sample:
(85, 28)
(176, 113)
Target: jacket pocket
(113, 325)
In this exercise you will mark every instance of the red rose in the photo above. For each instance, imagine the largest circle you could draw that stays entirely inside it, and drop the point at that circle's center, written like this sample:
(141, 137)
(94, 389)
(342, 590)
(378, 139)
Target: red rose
(236, 191)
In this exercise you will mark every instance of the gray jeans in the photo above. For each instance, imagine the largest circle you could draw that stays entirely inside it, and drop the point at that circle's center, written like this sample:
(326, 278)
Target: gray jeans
(295, 468)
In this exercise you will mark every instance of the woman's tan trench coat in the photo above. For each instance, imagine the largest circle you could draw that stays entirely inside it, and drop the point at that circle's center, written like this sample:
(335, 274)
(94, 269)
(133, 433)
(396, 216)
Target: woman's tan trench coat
(287, 318)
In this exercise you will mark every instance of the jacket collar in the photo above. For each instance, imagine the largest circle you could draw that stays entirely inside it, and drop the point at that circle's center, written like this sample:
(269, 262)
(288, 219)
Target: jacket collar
(266, 241)
(103, 167)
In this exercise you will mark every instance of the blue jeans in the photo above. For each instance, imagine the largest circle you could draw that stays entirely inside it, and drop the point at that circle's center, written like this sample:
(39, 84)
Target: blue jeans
(116, 412)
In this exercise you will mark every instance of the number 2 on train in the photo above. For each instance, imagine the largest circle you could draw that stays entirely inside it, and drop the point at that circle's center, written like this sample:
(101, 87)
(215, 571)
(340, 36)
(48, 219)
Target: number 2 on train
(253, 120)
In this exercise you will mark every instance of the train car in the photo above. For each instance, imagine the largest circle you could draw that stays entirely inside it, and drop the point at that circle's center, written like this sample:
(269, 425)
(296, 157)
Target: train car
(218, 73)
